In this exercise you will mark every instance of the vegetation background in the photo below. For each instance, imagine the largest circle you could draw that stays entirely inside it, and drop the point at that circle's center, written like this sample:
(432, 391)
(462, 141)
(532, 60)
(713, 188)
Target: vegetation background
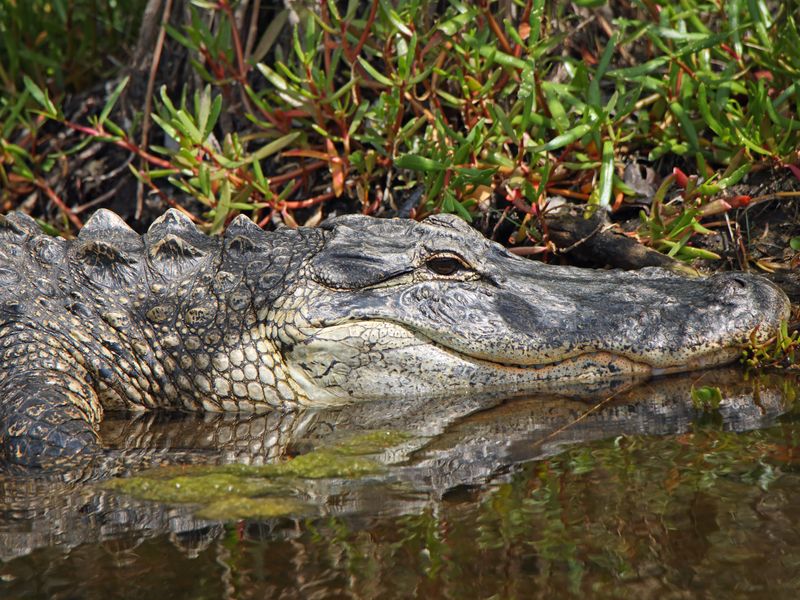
(456, 105)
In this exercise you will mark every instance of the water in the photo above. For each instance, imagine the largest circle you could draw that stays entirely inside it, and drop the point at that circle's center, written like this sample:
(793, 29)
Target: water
(655, 492)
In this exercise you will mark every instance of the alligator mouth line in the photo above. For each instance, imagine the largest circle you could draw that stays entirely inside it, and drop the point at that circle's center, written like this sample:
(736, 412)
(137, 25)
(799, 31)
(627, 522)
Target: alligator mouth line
(605, 357)
(599, 364)
(577, 367)
(612, 362)
(590, 365)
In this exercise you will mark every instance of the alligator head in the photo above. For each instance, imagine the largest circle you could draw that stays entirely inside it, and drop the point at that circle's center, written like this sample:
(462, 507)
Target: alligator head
(395, 308)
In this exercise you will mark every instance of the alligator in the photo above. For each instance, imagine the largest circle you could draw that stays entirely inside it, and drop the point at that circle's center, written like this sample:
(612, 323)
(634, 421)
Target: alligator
(356, 309)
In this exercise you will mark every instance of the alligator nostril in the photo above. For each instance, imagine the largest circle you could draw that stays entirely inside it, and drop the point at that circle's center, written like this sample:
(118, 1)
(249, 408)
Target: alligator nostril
(733, 286)
(739, 281)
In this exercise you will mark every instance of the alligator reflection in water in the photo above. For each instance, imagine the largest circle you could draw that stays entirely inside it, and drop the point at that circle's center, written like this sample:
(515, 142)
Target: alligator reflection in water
(466, 441)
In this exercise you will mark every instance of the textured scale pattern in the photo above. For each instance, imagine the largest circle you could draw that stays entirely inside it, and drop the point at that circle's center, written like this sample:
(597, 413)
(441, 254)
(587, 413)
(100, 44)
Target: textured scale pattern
(116, 320)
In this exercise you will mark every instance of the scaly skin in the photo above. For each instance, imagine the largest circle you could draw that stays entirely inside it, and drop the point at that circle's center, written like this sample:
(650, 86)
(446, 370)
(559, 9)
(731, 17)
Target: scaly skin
(360, 308)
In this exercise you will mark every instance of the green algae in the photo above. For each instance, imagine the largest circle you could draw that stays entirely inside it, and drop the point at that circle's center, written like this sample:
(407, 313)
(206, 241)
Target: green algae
(323, 464)
(343, 459)
(318, 464)
(193, 488)
(227, 509)
(201, 483)
(233, 469)
(372, 442)
(244, 491)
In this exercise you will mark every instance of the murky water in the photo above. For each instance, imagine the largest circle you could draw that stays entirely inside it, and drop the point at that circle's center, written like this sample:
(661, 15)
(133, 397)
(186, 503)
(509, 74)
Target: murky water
(656, 492)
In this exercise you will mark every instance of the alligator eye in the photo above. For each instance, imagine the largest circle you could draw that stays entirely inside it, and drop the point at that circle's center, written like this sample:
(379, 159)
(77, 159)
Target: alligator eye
(444, 265)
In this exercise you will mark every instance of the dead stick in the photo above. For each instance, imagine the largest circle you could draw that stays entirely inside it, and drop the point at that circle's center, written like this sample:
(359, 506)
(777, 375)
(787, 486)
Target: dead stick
(59, 202)
(148, 97)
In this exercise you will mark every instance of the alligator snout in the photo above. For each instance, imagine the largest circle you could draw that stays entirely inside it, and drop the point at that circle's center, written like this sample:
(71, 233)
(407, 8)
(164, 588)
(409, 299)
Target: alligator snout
(751, 289)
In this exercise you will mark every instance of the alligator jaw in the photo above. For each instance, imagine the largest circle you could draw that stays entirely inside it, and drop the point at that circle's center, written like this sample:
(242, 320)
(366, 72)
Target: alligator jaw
(332, 363)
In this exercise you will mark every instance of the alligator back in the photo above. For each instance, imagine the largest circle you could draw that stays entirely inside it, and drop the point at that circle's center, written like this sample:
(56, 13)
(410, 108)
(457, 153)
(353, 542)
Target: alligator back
(115, 319)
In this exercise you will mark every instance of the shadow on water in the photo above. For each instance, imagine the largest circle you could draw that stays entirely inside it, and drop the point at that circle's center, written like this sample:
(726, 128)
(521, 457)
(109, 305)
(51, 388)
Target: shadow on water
(683, 486)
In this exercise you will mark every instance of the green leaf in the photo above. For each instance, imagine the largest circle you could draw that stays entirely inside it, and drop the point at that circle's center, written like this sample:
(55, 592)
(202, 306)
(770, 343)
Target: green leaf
(405, 58)
(343, 90)
(557, 110)
(452, 100)
(223, 207)
(273, 77)
(452, 26)
(705, 111)
(490, 52)
(188, 126)
(374, 73)
(112, 100)
(686, 125)
(156, 173)
(452, 205)
(565, 139)
(500, 117)
(216, 108)
(395, 19)
(167, 101)
(415, 162)
(632, 73)
(41, 97)
(794, 243)
(410, 129)
(602, 67)
(270, 35)
(706, 397)
(202, 107)
(273, 147)
(355, 122)
(167, 127)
